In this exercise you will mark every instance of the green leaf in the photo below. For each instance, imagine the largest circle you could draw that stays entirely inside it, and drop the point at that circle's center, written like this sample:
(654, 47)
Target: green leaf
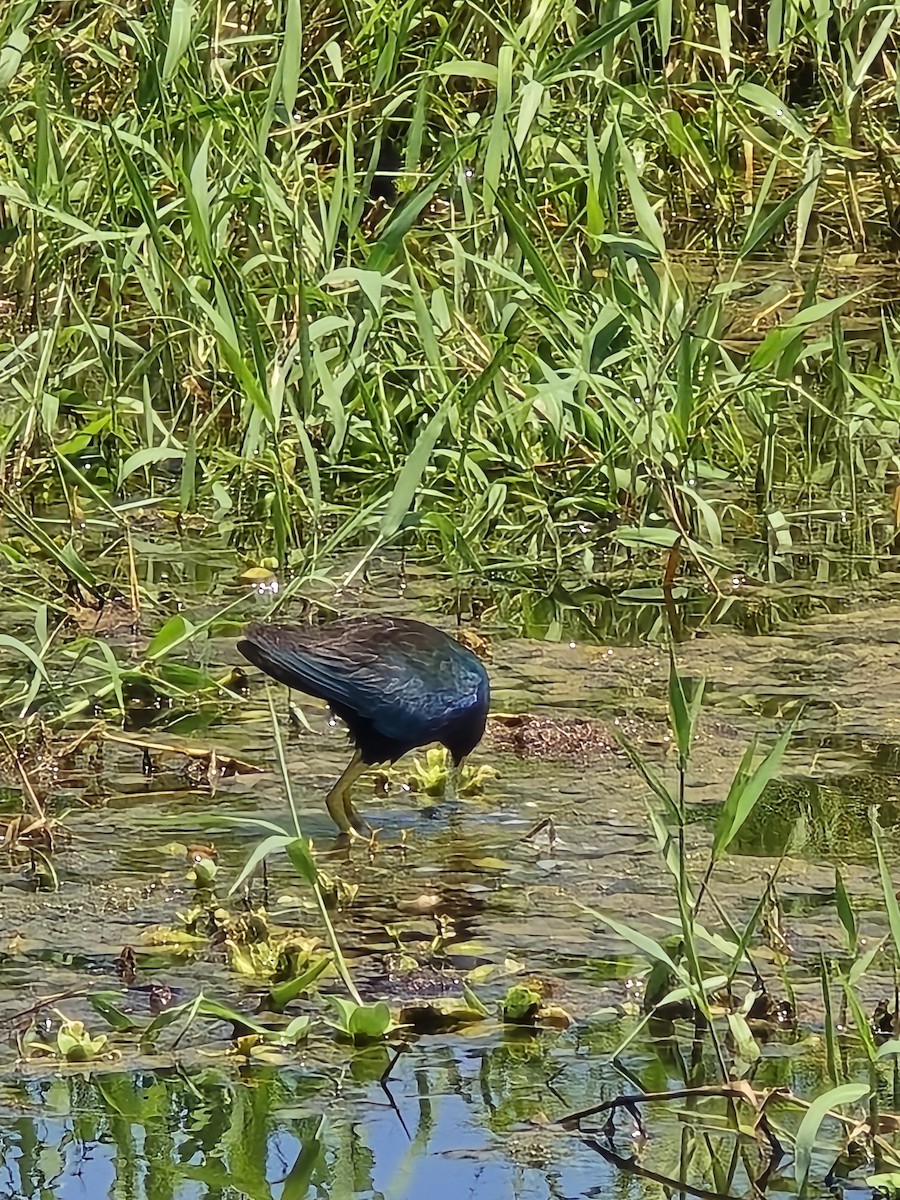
(598, 39)
(723, 33)
(283, 993)
(887, 887)
(520, 1003)
(640, 941)
(772, 347)
(764, 224)
(652, 780)
(389, 245)
(180, 27)
(199, 200)
(144, 458)
(860, 965)
(269, 845)
(847, 1093)
(410, 476)
(300, 854)
(685, 699)
(887, 1182)
(861, 1020)
(730, 950)
(872, 50)
(289, 61)
(645, 535)
(298, 1180)
(745, 1043)
(66, 557)
(176, 627)
(472, 1000)
(240, 1022)
(14, 644)
(74, 445)
(745, 791)
(11, 56)
(369, 1022)
(468, 69)
(811, 174)
(293, 1032)
(187, 680)
(104, 1004)
(817, 312)
(115, 672)
(705, 511)
(646, 218)
(845, 911)
(520, 236)
(72, 562)
(168, 1017)
(497, 151)
(668, 847)
(630, 247)
(773, 106)
(361, 1022)
(344, 1009)
(664, 26)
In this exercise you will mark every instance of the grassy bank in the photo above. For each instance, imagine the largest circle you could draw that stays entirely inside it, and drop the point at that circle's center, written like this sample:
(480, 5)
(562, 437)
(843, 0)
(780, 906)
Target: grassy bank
(343, 275)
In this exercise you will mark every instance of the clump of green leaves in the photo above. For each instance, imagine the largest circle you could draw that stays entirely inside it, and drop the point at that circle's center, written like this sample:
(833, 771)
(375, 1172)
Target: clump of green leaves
(433, 774)
(520, 1005)
(203, 870)
(74, 1043)
(524, 1004)
(361, 1023)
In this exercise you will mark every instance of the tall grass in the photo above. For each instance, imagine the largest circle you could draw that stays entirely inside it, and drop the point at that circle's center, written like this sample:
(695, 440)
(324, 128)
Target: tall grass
(345, 274)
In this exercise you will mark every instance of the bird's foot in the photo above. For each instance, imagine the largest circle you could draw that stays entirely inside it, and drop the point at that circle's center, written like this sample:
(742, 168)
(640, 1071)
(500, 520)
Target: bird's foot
(340, 847)
(348, 838)
(358, 824)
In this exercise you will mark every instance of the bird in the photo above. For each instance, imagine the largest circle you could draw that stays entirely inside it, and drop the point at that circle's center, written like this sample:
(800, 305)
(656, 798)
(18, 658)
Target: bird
(397, 684)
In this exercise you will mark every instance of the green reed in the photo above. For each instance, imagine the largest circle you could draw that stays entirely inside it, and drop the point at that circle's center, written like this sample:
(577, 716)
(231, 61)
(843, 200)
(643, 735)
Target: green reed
(211, 314)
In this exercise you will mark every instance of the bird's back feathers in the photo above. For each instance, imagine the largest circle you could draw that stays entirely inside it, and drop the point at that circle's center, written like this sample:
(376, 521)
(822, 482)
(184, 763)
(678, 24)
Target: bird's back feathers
(397, 683)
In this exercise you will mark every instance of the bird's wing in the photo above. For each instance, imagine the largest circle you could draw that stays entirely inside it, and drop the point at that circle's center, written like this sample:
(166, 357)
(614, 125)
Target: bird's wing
(361, 673)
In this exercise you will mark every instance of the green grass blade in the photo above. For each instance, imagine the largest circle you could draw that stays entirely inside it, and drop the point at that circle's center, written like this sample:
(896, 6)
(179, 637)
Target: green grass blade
(181, 23)
(847, 1093)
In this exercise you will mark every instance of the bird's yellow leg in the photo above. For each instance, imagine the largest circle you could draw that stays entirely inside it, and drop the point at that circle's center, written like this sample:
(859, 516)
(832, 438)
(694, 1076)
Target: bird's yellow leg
(338, 799)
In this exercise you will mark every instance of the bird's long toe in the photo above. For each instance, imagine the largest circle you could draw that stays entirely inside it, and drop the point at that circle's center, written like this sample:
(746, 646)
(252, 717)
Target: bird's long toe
(359, 824)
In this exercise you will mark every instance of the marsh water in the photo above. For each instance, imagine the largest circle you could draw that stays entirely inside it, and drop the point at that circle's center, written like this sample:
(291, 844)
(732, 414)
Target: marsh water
(507, 878)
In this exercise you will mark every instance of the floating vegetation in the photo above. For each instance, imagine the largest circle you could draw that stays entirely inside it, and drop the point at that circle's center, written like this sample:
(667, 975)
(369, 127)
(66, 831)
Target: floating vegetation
(73, 1044)
(434, 775)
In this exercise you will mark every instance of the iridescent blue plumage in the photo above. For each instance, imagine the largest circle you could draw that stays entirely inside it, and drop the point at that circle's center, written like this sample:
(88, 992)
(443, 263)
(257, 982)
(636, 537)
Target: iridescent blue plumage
(396, 683)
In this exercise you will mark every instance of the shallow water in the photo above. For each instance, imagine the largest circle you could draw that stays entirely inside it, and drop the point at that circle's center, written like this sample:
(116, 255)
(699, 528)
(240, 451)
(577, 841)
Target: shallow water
(471, 1113)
